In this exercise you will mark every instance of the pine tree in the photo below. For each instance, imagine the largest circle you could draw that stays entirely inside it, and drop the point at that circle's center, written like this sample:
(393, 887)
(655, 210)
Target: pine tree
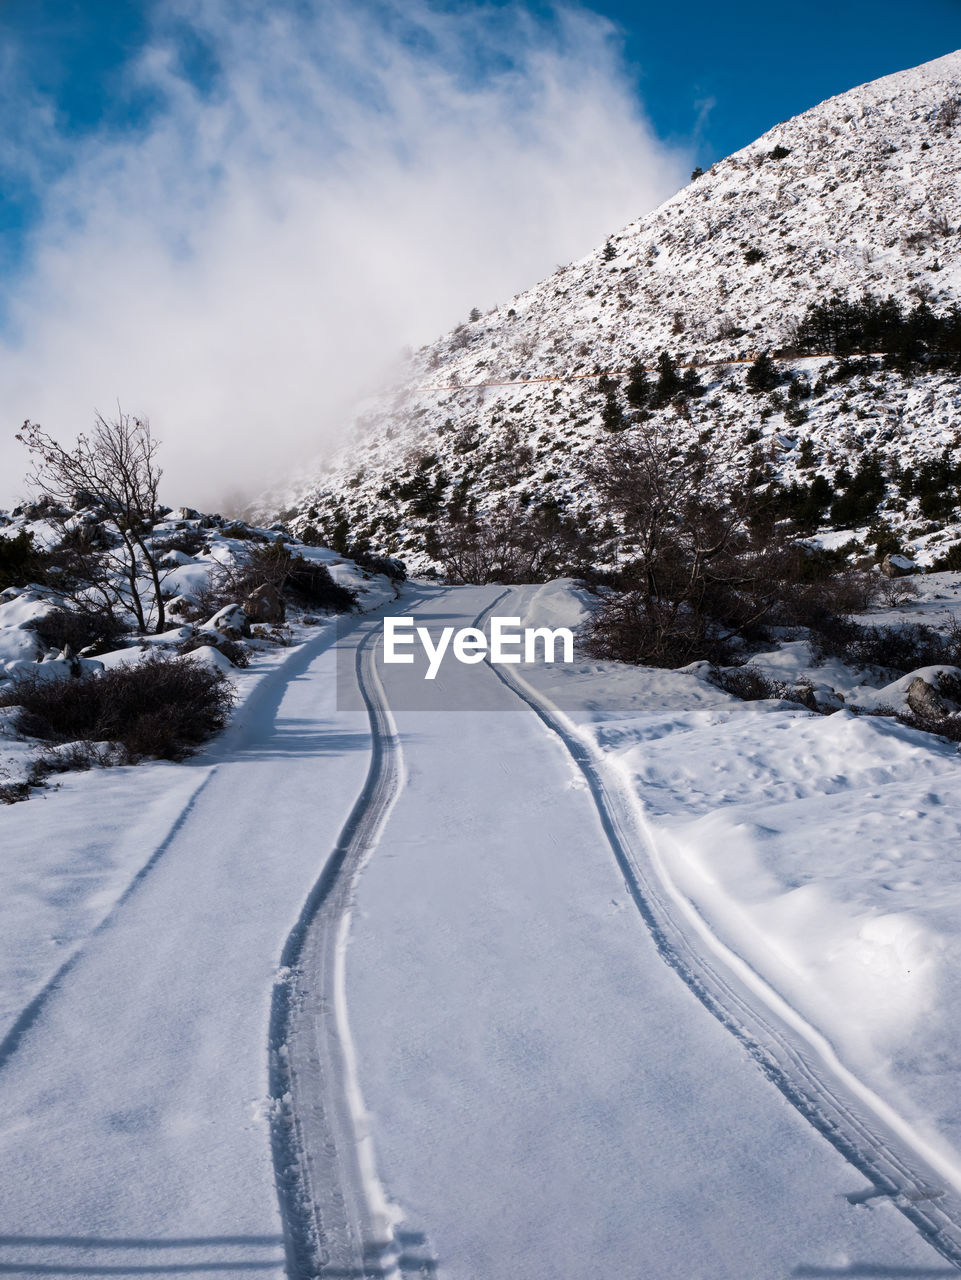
(638, 388)
(669, 384)
(612, 415)
(763, 374)
(610, 253)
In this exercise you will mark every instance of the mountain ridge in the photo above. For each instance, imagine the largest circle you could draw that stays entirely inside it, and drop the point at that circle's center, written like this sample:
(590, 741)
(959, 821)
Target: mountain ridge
(859, 194)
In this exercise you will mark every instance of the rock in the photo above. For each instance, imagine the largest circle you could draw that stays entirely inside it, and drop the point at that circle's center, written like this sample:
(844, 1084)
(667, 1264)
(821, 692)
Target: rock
(898, 566)
(230, 622)
(265, 604)
(819, 697)
(207, 655)
(924, 700)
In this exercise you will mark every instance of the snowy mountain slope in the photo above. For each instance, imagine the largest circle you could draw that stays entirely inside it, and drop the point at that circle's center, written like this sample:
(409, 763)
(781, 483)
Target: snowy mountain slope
(861, 193)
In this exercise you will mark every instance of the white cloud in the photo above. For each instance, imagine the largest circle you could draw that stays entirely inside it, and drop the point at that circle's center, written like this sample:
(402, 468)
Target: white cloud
(354, 177)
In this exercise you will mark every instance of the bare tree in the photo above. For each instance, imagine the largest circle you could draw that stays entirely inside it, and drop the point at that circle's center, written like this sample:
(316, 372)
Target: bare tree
(113, 468)
(698, 574)
(510, 544)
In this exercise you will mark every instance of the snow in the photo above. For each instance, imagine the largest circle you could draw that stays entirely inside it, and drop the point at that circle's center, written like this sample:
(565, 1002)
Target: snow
(823, 849)
(18, 646)
(546, 1097)
(537, 1092)
(855, 206)
(23, 608)
(904, 563)
(133, 1093)
(532, 1091)
(206, 655)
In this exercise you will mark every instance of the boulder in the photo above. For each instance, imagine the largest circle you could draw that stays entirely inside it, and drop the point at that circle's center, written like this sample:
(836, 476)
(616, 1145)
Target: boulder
(265, 604)
(230, 622)
(819, 697)
(895, 566)
(924, 700)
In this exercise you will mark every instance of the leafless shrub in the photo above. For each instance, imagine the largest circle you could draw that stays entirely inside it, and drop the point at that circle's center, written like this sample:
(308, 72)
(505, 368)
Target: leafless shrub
(81, 627)
(813, 592)
(940, 226)
(632, 626)
(949, 112)
(897, 592)
(13, 792)
(159, 707)
(274, 565)
(511, 544)
(905, 647)
(187, 541)
(72, 757)
(749, 683)
(712, 564)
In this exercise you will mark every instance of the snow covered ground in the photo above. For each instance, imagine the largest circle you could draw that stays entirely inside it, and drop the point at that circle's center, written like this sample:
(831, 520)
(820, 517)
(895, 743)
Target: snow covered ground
(539, 1092)
(826, 850)
(547, 1097)
(134, 1117)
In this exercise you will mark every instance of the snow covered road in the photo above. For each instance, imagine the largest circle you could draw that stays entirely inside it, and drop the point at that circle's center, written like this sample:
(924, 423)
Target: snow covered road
(548, 1098)
(544, 1096)
(134, 1112)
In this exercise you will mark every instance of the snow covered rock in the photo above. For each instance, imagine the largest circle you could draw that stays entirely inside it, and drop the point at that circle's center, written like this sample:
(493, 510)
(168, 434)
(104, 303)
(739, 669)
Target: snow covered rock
(925, 697)
(820, 697)
(208, 656)
(59, 668)
(230, 622)
(895, 566)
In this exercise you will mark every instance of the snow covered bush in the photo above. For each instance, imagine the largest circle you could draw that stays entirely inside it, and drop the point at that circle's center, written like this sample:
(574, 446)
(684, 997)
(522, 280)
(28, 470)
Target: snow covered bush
(160, 707)
(275, 565)
(311, 584)
(82, 626)
(235, 651)
(750, 684)
(897, 648)
(387, 565)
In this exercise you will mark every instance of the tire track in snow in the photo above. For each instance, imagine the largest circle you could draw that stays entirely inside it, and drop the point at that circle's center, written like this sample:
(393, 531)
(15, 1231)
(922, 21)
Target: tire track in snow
(792, 1054)
(337, 1219)
(263, 700)
(31, 1011)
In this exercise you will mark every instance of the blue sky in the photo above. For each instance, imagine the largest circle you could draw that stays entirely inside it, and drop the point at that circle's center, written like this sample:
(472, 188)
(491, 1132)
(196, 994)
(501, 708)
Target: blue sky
(712, 75)
(756, 61)
(233, 215)
(761, 62)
